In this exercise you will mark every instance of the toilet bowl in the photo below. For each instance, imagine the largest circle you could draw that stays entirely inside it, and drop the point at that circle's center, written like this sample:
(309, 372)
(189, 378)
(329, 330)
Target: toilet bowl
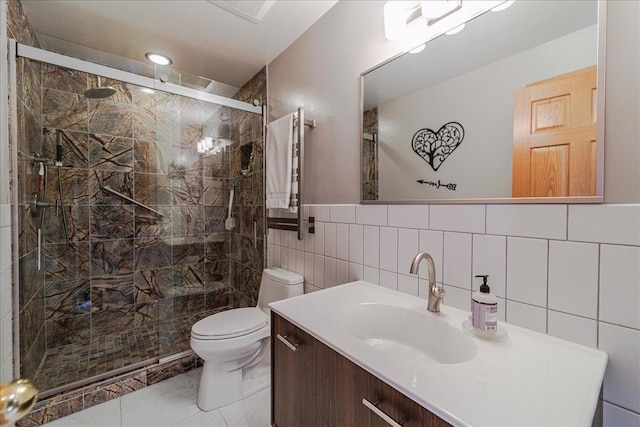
(234, 344)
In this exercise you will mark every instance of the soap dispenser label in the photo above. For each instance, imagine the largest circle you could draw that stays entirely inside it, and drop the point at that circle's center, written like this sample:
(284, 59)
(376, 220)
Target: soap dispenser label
(485, 316)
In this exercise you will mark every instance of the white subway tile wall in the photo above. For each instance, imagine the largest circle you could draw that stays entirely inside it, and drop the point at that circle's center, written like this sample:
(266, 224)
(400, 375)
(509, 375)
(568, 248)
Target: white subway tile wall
(570, 271)
(618, 224)
(457, 259)
(343, 213)
(407, 248)
(356, 271)
(389, 248)
(573, 328)
(408, 284)
(464, 218)
(543, 221)
(527, 270)
(342, 241)
(371, 248)
(389, 279)
(371, 215)
(619, 289)
(617, 416)
(432, 243)
(409, 216)
(622, 381)
(356, 243)
(490, 257)
(527, 316)
(330, 272)
(573, 278)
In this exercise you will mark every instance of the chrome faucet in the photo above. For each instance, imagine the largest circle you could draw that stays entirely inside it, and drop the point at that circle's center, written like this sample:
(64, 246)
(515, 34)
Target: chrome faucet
(436, 293)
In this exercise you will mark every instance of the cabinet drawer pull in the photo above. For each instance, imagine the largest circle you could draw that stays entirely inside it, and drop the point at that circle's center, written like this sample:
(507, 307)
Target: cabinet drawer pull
(292, 347)
(374, 408)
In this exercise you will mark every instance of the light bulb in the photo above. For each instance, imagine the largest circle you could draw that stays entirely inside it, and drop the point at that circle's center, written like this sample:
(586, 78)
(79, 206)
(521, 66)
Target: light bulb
(158, 58)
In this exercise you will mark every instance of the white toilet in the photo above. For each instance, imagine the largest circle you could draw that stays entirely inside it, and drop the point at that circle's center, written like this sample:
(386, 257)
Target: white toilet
(234, 344)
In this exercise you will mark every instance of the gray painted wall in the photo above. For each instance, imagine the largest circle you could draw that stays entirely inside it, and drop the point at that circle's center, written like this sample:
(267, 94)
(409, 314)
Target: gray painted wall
(321, 71)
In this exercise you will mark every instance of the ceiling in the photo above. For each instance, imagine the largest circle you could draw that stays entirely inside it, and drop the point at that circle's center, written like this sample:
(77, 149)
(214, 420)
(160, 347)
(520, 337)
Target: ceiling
(202, 39)
(481, 42)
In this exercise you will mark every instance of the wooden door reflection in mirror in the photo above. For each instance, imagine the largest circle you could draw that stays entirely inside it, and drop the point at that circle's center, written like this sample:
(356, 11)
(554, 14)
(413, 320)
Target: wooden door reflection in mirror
(554, 130)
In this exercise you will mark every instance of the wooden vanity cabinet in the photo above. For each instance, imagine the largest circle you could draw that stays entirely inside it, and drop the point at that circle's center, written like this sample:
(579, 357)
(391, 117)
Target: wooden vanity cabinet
(314, 386)
(293, 394)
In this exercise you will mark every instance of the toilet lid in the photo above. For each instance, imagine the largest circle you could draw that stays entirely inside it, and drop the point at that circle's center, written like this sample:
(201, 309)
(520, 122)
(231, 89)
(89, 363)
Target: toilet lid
(230, 323)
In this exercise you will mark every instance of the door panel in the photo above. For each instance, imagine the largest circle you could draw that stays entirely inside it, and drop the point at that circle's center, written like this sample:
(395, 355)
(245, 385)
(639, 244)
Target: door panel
(550, 170)
(554, 137)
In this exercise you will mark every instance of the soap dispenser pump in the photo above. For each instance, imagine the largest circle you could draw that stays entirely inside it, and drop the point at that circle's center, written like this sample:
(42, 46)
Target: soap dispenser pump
(484, 310)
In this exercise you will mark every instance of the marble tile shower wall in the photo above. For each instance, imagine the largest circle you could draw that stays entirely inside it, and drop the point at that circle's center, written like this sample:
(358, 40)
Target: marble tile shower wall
(124, 267)
(569, 271)
(369, 155)
(246, 172)
(29, 125)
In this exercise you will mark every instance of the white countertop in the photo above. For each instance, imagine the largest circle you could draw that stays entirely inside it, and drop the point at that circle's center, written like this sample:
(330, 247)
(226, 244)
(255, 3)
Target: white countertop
(530, 379)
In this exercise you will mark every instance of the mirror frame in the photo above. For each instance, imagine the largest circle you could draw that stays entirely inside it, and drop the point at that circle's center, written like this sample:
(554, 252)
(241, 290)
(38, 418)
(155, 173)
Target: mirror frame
(600, 138)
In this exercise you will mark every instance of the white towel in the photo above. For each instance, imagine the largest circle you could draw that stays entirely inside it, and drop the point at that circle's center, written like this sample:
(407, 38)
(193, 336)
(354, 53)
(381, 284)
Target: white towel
(278, 152)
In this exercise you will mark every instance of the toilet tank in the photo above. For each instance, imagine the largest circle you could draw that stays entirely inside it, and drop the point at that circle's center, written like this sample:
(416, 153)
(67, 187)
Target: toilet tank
(278, 283)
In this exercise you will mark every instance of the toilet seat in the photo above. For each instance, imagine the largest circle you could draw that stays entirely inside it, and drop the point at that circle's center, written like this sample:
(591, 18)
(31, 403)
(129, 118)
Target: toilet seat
(230, 324)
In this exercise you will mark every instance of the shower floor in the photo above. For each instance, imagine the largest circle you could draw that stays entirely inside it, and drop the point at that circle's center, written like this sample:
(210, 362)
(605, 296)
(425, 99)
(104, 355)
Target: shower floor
(76, 362)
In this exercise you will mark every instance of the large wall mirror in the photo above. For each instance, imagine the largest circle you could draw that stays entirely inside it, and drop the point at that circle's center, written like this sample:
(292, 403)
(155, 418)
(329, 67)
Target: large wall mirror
(508, 110)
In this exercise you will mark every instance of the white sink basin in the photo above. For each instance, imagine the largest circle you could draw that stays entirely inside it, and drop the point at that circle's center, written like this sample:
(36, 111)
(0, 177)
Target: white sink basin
(407, 333)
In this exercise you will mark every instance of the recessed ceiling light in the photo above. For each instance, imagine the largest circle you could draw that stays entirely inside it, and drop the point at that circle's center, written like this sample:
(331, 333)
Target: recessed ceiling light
(158, 58)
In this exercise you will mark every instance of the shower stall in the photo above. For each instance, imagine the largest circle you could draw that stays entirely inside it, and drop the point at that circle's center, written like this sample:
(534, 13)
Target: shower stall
(119, 214)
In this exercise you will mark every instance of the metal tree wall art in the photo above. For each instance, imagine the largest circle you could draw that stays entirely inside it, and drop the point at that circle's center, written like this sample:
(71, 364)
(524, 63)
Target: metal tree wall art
(435, 147)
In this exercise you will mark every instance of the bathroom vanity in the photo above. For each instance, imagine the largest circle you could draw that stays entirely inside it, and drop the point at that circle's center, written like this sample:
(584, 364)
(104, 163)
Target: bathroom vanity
(314, 385)
(364, 355)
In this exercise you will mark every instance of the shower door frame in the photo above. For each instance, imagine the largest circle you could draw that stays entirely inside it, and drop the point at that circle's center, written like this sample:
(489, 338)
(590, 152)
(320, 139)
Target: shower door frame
(41, 55)
(24, 51)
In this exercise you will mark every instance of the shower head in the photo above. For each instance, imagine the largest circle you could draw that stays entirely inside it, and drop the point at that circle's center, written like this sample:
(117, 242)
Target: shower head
(99, 92)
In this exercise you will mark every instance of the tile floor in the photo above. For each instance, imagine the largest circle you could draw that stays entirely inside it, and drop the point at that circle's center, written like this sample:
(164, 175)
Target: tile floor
(171, 403)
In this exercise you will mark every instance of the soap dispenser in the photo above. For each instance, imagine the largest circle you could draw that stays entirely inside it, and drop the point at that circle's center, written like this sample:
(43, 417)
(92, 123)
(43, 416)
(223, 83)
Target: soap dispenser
(484, 310)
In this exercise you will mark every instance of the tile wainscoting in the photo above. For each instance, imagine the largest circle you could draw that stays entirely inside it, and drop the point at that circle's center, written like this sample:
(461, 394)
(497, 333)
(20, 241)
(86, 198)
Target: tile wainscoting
(571, 271)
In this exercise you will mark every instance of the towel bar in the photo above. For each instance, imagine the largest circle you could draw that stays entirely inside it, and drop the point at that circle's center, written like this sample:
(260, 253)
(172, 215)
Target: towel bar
(291, 224)
(296, 224)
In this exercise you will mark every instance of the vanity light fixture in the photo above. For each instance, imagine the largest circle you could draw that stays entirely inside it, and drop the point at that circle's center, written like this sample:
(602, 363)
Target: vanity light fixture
(417, 22)
(435, 10)
(158, 58)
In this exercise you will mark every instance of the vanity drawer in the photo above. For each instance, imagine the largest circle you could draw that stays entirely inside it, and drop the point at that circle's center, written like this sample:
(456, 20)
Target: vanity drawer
(313, 385)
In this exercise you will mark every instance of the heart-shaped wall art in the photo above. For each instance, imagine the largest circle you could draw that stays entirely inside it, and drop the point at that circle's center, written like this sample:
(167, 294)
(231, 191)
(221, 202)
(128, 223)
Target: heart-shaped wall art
(435, 147)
